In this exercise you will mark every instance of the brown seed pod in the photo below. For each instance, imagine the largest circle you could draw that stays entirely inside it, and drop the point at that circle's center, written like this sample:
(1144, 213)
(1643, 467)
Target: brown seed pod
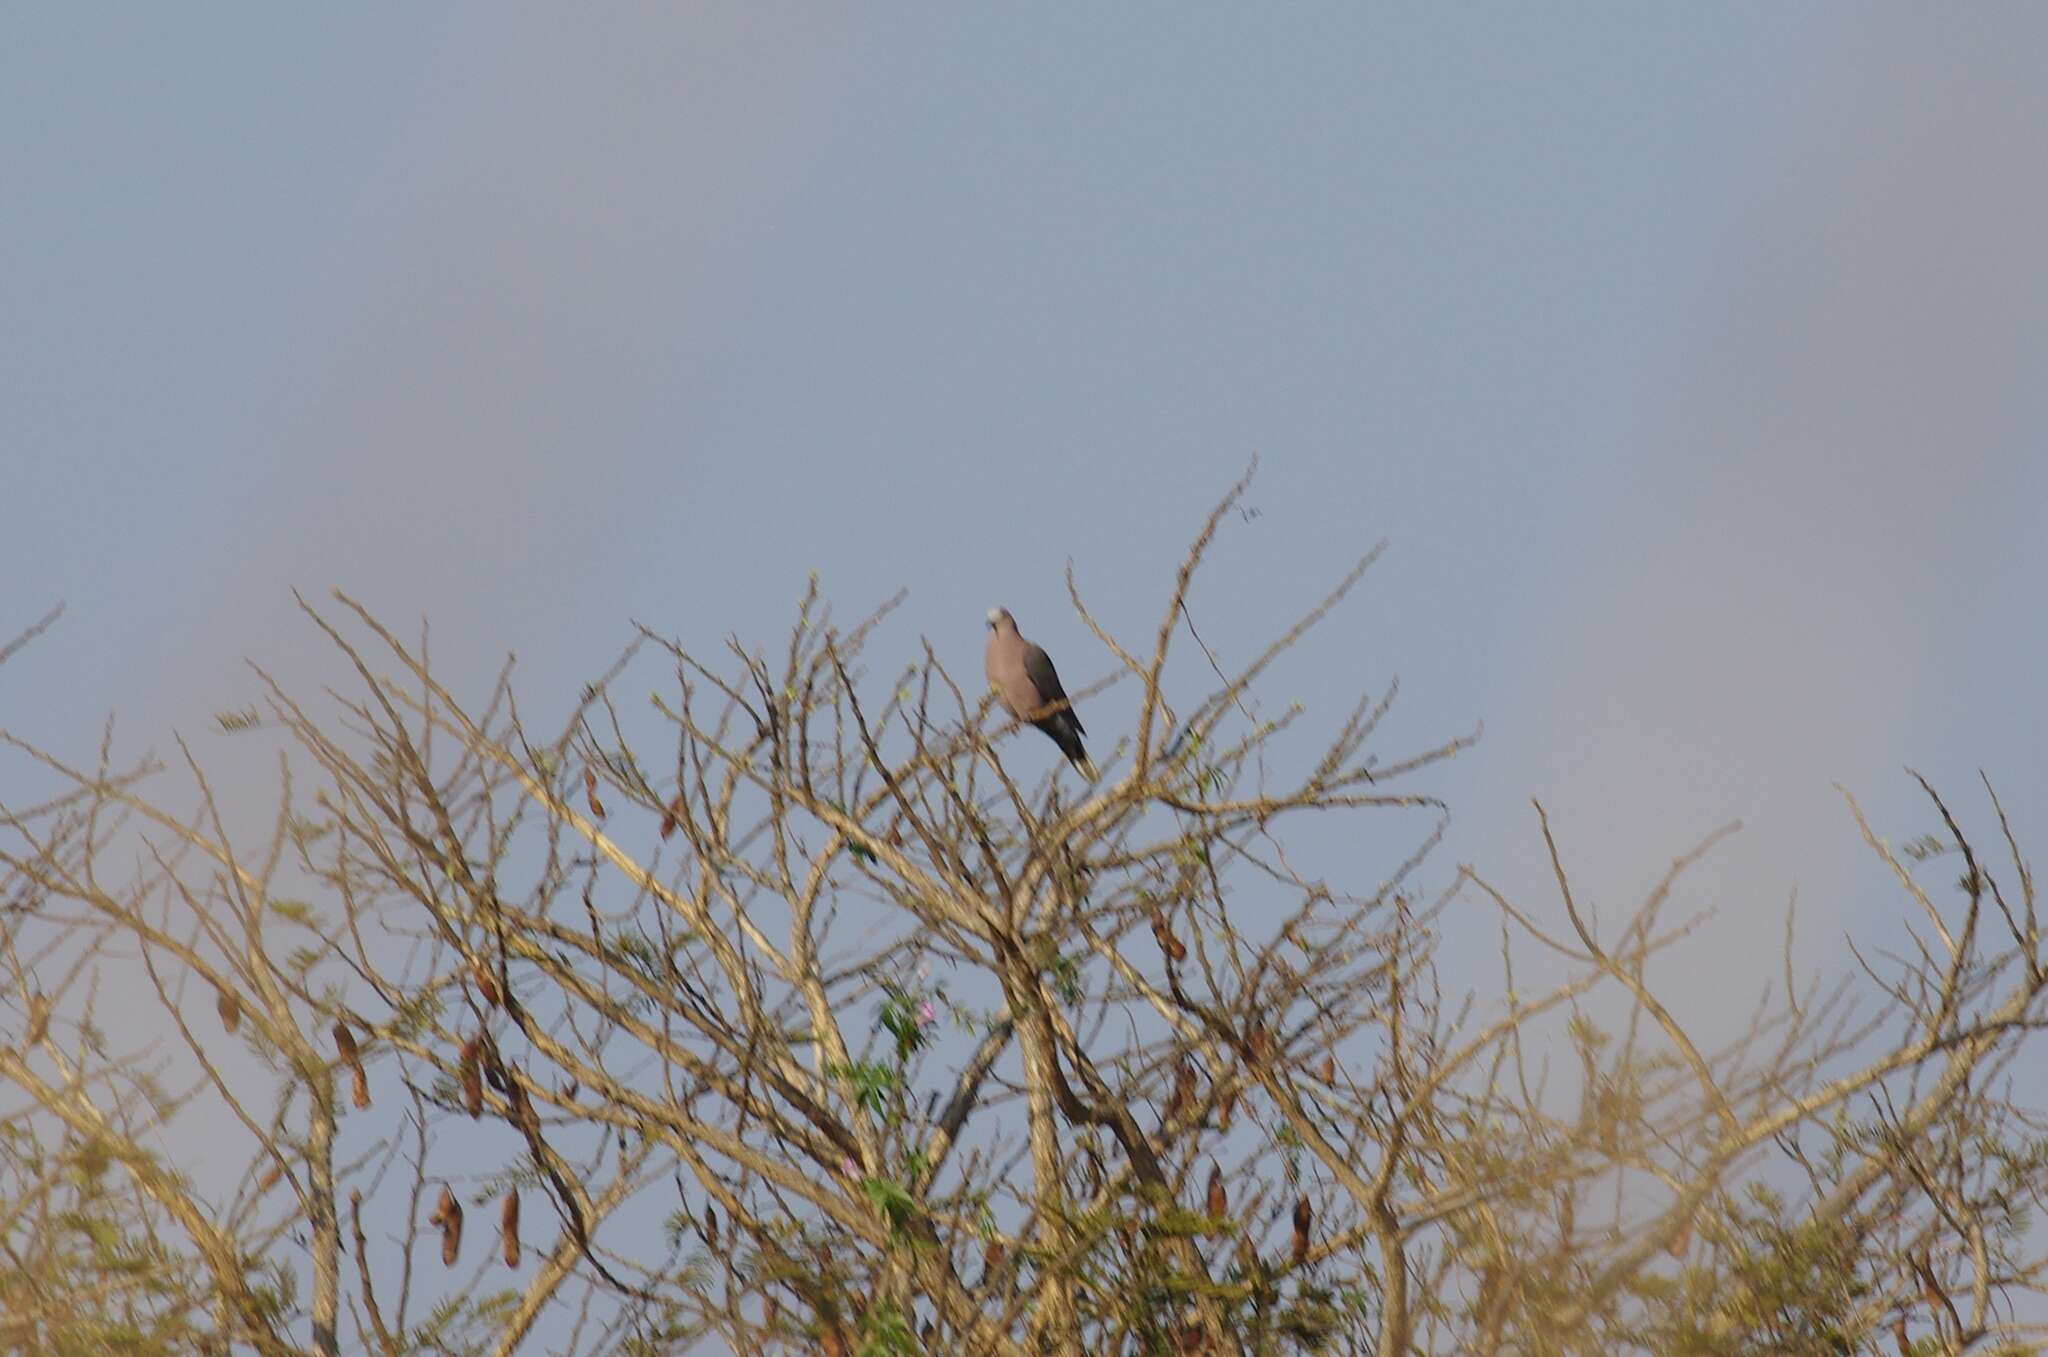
(1303, 1217)
(229, 1006)
(672, 816)
(1219, 1200)
(508, 1227)
(1169, 945)
(710, 1225)
(271, 1176)
(1327, 1071)
(590, 794)
(992, 1257)
(1183, 1091)
(38, 1017)
(448, 1215)
(486, 986)
(521, 1114)
(1680, 1241)
(359, 1087)
(345, 1043)
(470, 1075)
(1225, 1110)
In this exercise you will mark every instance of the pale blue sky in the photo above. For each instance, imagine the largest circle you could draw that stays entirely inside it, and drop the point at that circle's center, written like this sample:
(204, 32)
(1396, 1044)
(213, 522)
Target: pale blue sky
(1689, 356)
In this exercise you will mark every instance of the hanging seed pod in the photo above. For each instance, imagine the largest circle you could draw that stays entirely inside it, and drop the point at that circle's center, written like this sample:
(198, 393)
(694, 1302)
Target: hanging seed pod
(469, 1074)
(1680, 1241)
(448, 1215)
(351, 1056)
(1162, 933)
(451, 1238)
(1218, 1203)
(38, 1017)
(1183, 1091)
(590, 794)
(1303, 1216)
(672, 816)
(1225, 1110)
(992, 1258)
(230, 1009)
(271, 1177)
(1258, 1046)
(521, 1114)
(1327, 1071)
(508, 1227)
(486, 987)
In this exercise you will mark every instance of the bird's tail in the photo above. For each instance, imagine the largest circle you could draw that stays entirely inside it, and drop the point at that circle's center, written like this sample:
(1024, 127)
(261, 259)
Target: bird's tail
(1066, 733)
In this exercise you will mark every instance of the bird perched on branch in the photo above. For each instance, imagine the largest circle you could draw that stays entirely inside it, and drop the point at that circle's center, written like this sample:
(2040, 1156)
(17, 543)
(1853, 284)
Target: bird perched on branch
(1029, 687)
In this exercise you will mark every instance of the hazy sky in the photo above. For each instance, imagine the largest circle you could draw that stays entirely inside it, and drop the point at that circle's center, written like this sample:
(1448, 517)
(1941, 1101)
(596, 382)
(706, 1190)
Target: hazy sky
(1690, 358)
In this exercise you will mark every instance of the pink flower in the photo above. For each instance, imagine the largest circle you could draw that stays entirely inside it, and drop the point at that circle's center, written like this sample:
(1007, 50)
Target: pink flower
(926, 1014)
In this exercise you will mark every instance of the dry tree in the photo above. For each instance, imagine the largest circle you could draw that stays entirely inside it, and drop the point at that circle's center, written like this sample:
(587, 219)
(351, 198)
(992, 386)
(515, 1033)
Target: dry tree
(804, 1021)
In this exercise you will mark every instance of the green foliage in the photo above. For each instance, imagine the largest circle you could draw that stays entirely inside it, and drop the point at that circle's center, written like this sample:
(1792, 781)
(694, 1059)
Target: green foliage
(83, 1270)
(874, 1083)
(892, 1202)
(885, 1331)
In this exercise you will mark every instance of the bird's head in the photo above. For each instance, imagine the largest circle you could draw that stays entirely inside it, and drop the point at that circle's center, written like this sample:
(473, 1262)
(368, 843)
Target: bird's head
(998, 616)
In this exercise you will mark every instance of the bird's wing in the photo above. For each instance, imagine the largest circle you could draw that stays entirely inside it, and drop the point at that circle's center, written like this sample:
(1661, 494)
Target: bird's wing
(1046, 679)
